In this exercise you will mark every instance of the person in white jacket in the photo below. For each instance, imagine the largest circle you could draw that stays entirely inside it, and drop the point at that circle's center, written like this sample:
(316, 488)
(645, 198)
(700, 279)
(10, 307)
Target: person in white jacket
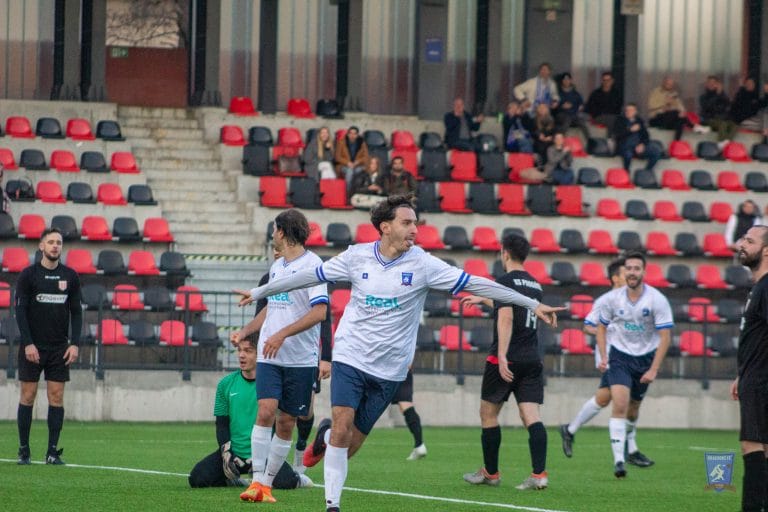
(539, 89)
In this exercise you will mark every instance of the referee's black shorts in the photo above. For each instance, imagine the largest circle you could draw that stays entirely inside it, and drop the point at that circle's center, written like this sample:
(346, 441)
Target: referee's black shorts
(405, 391)
(753, 405)
(51, 362)
(527, 384)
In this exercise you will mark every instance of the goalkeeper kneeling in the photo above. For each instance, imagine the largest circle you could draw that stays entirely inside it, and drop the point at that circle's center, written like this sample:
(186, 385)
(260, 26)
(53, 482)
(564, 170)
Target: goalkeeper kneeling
(235, 412)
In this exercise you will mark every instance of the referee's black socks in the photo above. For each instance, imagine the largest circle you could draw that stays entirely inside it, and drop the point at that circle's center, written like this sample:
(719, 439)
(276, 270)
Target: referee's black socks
(537, 443)
(491, 441)
(414, 425)
(24, 421)
(754, 486)
(304, 428)
(55, 422)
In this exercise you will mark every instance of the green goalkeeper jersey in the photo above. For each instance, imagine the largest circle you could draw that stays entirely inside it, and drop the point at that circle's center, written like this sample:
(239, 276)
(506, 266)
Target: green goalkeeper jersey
(236, 398)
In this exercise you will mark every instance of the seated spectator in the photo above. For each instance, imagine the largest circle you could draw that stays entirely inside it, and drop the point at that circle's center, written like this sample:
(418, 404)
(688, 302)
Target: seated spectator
(365, 191)
(459, 127)
(516, 126)
(740, 221)
(351, 155)
(604, 104)
(632, 139)
(714, 105)
(558, 169)
(539, 90)
(571, 109)
(666, 109)
(397, 180)
(319, 154)
(748, 110)
(543, 131)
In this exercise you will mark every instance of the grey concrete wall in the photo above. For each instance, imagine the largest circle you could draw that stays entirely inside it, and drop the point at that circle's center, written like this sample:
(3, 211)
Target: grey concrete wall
(163, 396)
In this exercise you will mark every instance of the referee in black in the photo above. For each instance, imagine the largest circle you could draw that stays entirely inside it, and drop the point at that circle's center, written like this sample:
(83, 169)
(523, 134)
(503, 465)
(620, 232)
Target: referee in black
(751, 385)
(47, 295)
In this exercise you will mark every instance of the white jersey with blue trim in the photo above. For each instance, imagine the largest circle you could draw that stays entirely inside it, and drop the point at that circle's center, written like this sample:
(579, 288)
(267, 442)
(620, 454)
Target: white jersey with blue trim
(377, 333)
(299, 350)
(593, 318)
(637, 324)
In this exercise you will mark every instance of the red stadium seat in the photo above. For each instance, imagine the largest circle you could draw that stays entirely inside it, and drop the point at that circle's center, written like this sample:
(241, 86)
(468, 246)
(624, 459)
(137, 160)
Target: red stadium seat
(365, 233)
(340, 297)
(126, 297)
(569, 201)
(593, 274)
(453, 197)
(173, 333)
(333, 195)
(730, 181)
(576, 147)
(581, 305)
(477, 267)
(654, 276)
(156, 229)
(538, 271)
(720, 212)
(123, 161)
(242, 106)
(110, 193)
(736, 152)
(467, 310)
(79, 129)
(708, 277)
(666, 211)
(50, 192)
(692, 344)
(463, 165)
(599, 241)
(701, 309)
(19, 127)
(299, 107)
(403, 139)
(428, 237)
(31, 226)
(273, 192)
(111, 332)
(618, 178)
(410, 158)
(316, 238)
(512, 199)
(142, 263)
(190, 298)
(574, 341)
(81, 261)
(232, 135)
(64, 161)
(95, 228)
(657, 243)
(7, 160)
(340, 133)
(451, 338)
(681, 150)
(289, 137)
(15, 259)
(518, 162)
(543, 240)
(5, 295)
(484, 239)
(714, 245)
(674, 180)
(610, 209)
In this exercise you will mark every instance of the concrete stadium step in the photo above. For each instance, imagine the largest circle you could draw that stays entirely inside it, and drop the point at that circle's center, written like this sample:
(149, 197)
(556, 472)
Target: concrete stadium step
(181, 217)
(229, 228)
(223, 274)
(202, 206)
(164, 143)
(155, 112)
(190, 184)
(169, 133)
(193, 175)
(180, 164)
(194, 195)
(220, 244)
(150, 122)
(174, 153)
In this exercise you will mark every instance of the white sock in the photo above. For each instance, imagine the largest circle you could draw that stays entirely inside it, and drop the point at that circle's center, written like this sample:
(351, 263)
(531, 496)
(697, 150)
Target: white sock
(298, 461)
(632, 437)
(589, 410)
(618, 430)
(335, 473)
(260, 439)
(278, 451)
(327, 437)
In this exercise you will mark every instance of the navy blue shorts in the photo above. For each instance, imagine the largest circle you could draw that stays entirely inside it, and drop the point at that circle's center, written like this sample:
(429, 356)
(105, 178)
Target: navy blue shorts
(369, 396)
(291, 387)
(626, 370)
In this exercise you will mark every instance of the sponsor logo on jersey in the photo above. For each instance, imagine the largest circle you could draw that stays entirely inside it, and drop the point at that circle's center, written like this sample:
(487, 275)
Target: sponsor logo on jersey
(63, 286)
(51, 298)
(381, 302)
(629, 326)
(280, 298)
(406, 278)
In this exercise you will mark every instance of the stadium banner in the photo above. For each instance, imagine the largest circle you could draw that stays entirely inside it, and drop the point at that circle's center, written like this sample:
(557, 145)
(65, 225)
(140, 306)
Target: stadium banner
(719, 471)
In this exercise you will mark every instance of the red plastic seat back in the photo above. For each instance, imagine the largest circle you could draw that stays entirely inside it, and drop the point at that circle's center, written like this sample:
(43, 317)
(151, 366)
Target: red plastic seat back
(79, 129)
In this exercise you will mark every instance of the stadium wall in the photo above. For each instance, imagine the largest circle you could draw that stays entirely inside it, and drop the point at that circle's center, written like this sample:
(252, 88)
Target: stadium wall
(164, 396)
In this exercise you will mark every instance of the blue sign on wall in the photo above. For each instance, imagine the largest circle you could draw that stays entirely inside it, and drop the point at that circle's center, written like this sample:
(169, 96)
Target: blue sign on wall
(434, 50)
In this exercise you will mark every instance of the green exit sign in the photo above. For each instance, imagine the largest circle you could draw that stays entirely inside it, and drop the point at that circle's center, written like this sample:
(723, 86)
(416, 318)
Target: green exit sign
(119, 52)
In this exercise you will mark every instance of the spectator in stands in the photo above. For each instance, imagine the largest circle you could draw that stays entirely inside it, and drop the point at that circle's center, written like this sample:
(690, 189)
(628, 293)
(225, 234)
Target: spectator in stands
(632, 139)
(559, 166)
(459, 125)
(397, 181)
(666, 109)
(365, 190)
(543, 131)
(715, 106)
(746, 107)
(570, 112)
(604, 104)
(319, 154)
(516, 126)
(740, 221)
(351, 155)
(539, 90)
(5, 201)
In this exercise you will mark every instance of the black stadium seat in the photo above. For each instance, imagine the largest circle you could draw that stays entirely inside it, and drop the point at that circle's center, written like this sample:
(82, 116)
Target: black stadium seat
(637, 209)
(645, 178)
(738, 276)
(688, 245)
(708, 150)
(629, 241)
(79, 192)
(20, 190)
(329, 109)
(572, 241)
(486, 143)
(701, 180)
(564, 273)
(756, 181)
(598, 146)
(589, 177)
(492, 167)
(111, 263)
(431, 140)
(33, 160)
(126, 229)
(760, 152)
(142, 333)
(158, 298)
(67, 225)
(541, 200)
(260, 136)
(374, 139)
(482, 198)
(456, 238)
(7, 227)
(141, 195)
(173, 264)
(427, 199)
(257, 160)
(680, 276)
(49, 128)
(205, 333)
(94, 296)
(694, 211)
(434, 165)
(338, 234)
(109, 130)
(93, 161)
(304, 193)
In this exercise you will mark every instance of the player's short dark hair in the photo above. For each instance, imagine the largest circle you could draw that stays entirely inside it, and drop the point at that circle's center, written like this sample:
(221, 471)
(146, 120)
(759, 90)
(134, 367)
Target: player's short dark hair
(635, 255)
(398, 158)
(764, 238)
(614, 267)
(48, 231)
(294, 226)
(516, 246)
(386, 210)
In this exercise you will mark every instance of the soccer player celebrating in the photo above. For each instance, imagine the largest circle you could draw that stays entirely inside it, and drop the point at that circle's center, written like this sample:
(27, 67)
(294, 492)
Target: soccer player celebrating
(602, 397)
(513, 366)
(376, 338)
(235, 411)
(642, 321)
(47, 296)
(751, 385)
(289, 328)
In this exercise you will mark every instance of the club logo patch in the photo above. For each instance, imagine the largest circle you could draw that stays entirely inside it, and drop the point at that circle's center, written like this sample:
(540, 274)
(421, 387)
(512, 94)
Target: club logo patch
(63, 286)
(719, 471)
(407, 278)
(365, 275)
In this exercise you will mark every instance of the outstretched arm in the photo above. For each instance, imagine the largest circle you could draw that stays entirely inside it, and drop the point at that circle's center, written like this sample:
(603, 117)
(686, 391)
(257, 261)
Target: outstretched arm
(301, 279)
(500, 293)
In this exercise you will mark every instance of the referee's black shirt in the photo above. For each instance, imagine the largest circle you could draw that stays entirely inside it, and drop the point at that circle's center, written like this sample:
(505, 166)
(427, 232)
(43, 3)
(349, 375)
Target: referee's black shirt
(752, 356)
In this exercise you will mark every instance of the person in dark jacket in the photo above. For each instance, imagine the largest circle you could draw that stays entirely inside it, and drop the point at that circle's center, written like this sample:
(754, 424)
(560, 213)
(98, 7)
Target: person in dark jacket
(459, 125)
(570, 111)
(632, 139)
(714, 109)
(604, 104)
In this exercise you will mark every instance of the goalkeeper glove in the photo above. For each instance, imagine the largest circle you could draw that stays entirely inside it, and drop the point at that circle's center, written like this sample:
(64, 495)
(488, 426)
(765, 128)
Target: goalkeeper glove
(231, 463)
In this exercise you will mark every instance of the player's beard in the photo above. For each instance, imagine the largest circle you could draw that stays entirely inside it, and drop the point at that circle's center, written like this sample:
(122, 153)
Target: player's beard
(634, 283)
(51, 257)
(752, 261)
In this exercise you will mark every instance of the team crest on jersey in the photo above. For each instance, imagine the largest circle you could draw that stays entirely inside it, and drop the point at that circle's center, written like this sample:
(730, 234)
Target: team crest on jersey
(407, 278)
(63, 286)
(365, 275)
(646, 312)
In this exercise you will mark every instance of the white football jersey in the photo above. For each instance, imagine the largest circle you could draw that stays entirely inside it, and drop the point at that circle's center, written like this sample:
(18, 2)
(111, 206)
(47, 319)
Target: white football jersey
(377, 333)
(285, 308)
(593, 318)
(636, 323)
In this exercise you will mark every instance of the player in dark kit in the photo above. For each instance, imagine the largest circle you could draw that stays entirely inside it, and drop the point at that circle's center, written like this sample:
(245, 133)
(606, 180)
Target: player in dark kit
(514, 367)
(404, 400)
(751, 385)
(47, 295)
